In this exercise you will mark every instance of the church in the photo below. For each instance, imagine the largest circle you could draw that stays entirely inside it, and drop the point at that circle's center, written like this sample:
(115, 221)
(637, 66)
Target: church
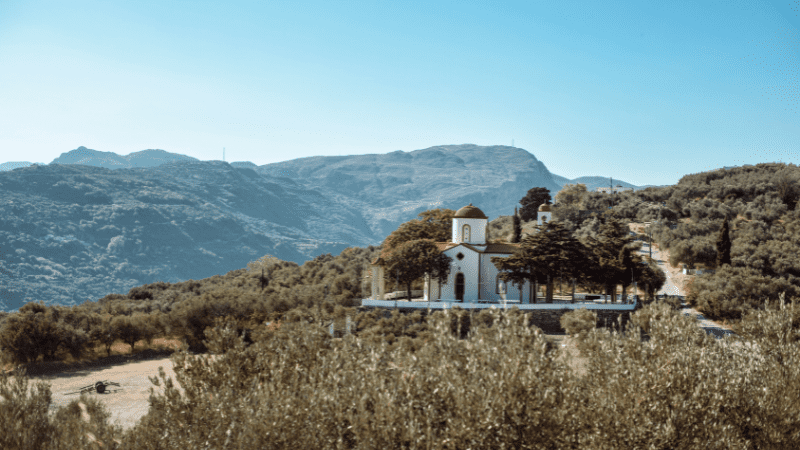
(473, 277)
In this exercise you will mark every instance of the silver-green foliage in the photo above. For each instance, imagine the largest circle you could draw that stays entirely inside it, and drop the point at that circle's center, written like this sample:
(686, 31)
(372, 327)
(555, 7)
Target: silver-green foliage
(499, 388)
(663, 383)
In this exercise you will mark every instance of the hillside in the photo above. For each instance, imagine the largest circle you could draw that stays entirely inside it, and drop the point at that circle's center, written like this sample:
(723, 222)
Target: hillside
(92, 223)
(71, 232)
(394, 187)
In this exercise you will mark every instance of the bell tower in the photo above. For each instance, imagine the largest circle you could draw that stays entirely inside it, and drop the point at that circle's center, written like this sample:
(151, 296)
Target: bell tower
(469, 226)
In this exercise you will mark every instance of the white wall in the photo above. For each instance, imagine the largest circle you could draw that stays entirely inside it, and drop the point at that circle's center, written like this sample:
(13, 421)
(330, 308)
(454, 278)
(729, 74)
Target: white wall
(477, 230)
(488, 279)
(468, 266)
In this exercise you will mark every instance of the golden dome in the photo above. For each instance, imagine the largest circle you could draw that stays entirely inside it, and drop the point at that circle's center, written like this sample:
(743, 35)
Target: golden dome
(470, 212)
(544, 207)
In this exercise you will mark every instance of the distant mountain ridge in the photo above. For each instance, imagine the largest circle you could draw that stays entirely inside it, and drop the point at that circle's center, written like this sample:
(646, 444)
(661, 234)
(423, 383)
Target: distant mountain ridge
(594, 182)
(72, 232)
(92, 223)
(110, 160)
(11, 165)
(393, 187)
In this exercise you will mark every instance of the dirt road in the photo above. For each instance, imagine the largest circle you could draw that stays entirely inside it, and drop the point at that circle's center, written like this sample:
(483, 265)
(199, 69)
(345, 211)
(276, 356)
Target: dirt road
(128, 403)
(675, 285)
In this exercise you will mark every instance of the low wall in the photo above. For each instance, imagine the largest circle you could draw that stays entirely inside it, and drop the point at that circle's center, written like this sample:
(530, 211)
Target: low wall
(403, 294)
(546, 316)
(549, 320)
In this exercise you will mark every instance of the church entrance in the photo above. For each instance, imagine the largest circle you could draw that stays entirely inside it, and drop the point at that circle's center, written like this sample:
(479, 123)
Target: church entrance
(460, 287)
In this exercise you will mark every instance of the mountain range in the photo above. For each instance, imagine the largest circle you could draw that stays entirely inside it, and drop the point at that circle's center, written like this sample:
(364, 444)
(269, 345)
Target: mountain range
(91, 223)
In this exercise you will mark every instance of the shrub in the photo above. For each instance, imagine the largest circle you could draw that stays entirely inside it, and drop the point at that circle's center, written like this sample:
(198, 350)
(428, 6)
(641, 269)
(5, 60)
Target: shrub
(23, 413)
(579, 321)
(733, 291)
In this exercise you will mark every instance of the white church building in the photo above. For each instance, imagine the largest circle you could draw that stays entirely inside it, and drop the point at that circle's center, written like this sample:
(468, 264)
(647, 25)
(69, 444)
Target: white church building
(473, 278)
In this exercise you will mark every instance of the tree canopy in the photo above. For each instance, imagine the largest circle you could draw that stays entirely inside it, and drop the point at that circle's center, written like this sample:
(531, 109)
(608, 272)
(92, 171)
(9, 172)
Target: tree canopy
(414, 259)
(610, 261)
(572, 195)
(535, 197)
(551, 250)
(433, 224)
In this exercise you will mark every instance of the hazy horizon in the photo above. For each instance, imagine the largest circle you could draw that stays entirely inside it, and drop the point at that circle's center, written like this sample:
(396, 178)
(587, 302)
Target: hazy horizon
(646, 93)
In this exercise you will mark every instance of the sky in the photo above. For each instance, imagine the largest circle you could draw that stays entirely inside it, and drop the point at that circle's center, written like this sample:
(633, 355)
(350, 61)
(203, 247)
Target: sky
(642, 91)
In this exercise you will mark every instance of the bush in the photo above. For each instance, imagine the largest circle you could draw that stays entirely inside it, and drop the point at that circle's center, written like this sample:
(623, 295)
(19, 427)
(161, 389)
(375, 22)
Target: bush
(23, 413)
(498, 388)
(26, 424)
(579, 321)
(731, 292)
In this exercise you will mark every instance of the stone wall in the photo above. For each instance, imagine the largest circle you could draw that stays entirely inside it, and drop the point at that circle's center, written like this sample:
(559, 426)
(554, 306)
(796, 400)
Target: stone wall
(546, 319)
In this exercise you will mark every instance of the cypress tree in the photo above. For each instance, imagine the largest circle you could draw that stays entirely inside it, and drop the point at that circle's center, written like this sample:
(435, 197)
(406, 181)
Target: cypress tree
(515, 238)
(724, 245)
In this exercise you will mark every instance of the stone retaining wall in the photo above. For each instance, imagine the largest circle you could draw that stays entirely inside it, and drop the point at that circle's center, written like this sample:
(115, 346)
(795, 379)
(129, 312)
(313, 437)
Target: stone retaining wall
(546, 319)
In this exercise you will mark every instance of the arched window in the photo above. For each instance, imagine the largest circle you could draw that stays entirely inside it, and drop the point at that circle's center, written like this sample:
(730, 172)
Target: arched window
(466, 233)
(500, 285)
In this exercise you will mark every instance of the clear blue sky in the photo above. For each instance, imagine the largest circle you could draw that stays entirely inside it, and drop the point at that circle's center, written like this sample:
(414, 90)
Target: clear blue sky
(642, 91)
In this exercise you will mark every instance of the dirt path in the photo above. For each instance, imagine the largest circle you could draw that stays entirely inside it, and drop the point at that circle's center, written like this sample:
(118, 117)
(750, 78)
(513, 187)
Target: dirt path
(676, 285)
(128, 404)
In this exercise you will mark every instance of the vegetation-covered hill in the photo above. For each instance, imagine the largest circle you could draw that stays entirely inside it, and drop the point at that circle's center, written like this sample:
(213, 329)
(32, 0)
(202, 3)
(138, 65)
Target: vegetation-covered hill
(761, 204)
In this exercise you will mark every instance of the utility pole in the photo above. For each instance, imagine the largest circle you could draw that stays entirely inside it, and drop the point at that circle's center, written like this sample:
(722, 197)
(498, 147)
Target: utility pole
(611, 190)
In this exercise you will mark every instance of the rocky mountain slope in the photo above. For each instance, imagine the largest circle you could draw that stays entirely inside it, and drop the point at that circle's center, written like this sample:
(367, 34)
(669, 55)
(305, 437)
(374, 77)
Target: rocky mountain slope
(76, 230)
(393, 187)
(69, 233)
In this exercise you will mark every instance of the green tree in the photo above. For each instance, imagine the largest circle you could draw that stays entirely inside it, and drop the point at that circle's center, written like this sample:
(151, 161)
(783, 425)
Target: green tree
(724, 244)
(434, 224)
(605, 245)
(105, 334)
(517, 268)
(414, 259)
(786, 185)
(548, 252)
(572, 195)
(517, 232)
(127, 329)
(629, 263)
(650, 277)
(693, 251)
(30, 333)
(535, 197)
